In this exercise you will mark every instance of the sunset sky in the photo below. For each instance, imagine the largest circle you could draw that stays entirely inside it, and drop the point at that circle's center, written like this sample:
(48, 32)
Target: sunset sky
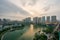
(19, 9)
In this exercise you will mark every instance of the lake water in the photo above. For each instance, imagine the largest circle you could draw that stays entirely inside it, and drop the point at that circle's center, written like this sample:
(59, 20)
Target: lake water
(26, 34)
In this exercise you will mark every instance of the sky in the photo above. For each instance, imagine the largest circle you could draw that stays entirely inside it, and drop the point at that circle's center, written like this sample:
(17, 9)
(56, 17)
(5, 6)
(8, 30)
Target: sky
(20, 9)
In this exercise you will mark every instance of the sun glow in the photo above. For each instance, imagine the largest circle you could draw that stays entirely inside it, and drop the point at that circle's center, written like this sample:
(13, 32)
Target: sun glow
(33, 11)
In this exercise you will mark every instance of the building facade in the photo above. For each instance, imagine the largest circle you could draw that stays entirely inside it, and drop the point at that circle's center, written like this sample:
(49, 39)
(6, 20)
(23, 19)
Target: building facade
(43, 19)
(53, 19)
(48, 19)
(35, 20)
(27, 20)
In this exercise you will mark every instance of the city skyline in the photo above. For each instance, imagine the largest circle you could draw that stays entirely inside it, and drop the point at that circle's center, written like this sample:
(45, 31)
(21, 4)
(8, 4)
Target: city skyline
(20, 9)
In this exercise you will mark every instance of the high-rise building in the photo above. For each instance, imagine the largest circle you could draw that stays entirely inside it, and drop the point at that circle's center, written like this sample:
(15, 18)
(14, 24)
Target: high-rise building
(48, 19)
(53, 19)
(27, 20)
(39, 20)
(35, 20)
(43, 19)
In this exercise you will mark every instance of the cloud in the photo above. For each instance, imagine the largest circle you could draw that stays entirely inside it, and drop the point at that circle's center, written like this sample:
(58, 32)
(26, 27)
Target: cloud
(48, 7)
(32, 2)
(7, 7)
(28, 2)
(11, 11)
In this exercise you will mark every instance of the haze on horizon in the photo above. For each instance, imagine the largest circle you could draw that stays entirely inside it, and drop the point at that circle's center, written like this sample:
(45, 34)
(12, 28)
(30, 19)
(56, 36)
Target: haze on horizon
(19, 9)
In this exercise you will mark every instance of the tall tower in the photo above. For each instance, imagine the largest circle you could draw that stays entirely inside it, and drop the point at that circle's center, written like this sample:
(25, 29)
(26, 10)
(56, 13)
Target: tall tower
(27, 20)
(43, 19)
(35, 20)
(48, 19)
(53, 19)
(39, 20)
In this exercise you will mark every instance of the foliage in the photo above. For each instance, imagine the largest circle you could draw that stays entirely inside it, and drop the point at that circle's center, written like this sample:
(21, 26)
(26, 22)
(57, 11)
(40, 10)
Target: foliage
(56, 35)
(40, 37)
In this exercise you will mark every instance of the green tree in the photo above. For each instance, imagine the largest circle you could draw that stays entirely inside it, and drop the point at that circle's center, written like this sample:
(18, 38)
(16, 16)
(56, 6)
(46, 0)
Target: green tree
(40, 37)
(56, 36)
(43, 37)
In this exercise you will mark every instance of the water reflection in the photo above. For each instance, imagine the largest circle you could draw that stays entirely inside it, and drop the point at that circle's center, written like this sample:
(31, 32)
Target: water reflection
(29, 34)
(31, 27)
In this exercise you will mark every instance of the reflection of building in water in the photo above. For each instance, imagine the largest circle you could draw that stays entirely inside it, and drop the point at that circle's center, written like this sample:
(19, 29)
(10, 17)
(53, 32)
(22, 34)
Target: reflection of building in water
(31, 27)
(29, 34)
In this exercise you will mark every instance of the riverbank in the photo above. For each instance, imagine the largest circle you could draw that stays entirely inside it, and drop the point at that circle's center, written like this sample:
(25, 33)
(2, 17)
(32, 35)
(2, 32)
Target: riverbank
(21, 32)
